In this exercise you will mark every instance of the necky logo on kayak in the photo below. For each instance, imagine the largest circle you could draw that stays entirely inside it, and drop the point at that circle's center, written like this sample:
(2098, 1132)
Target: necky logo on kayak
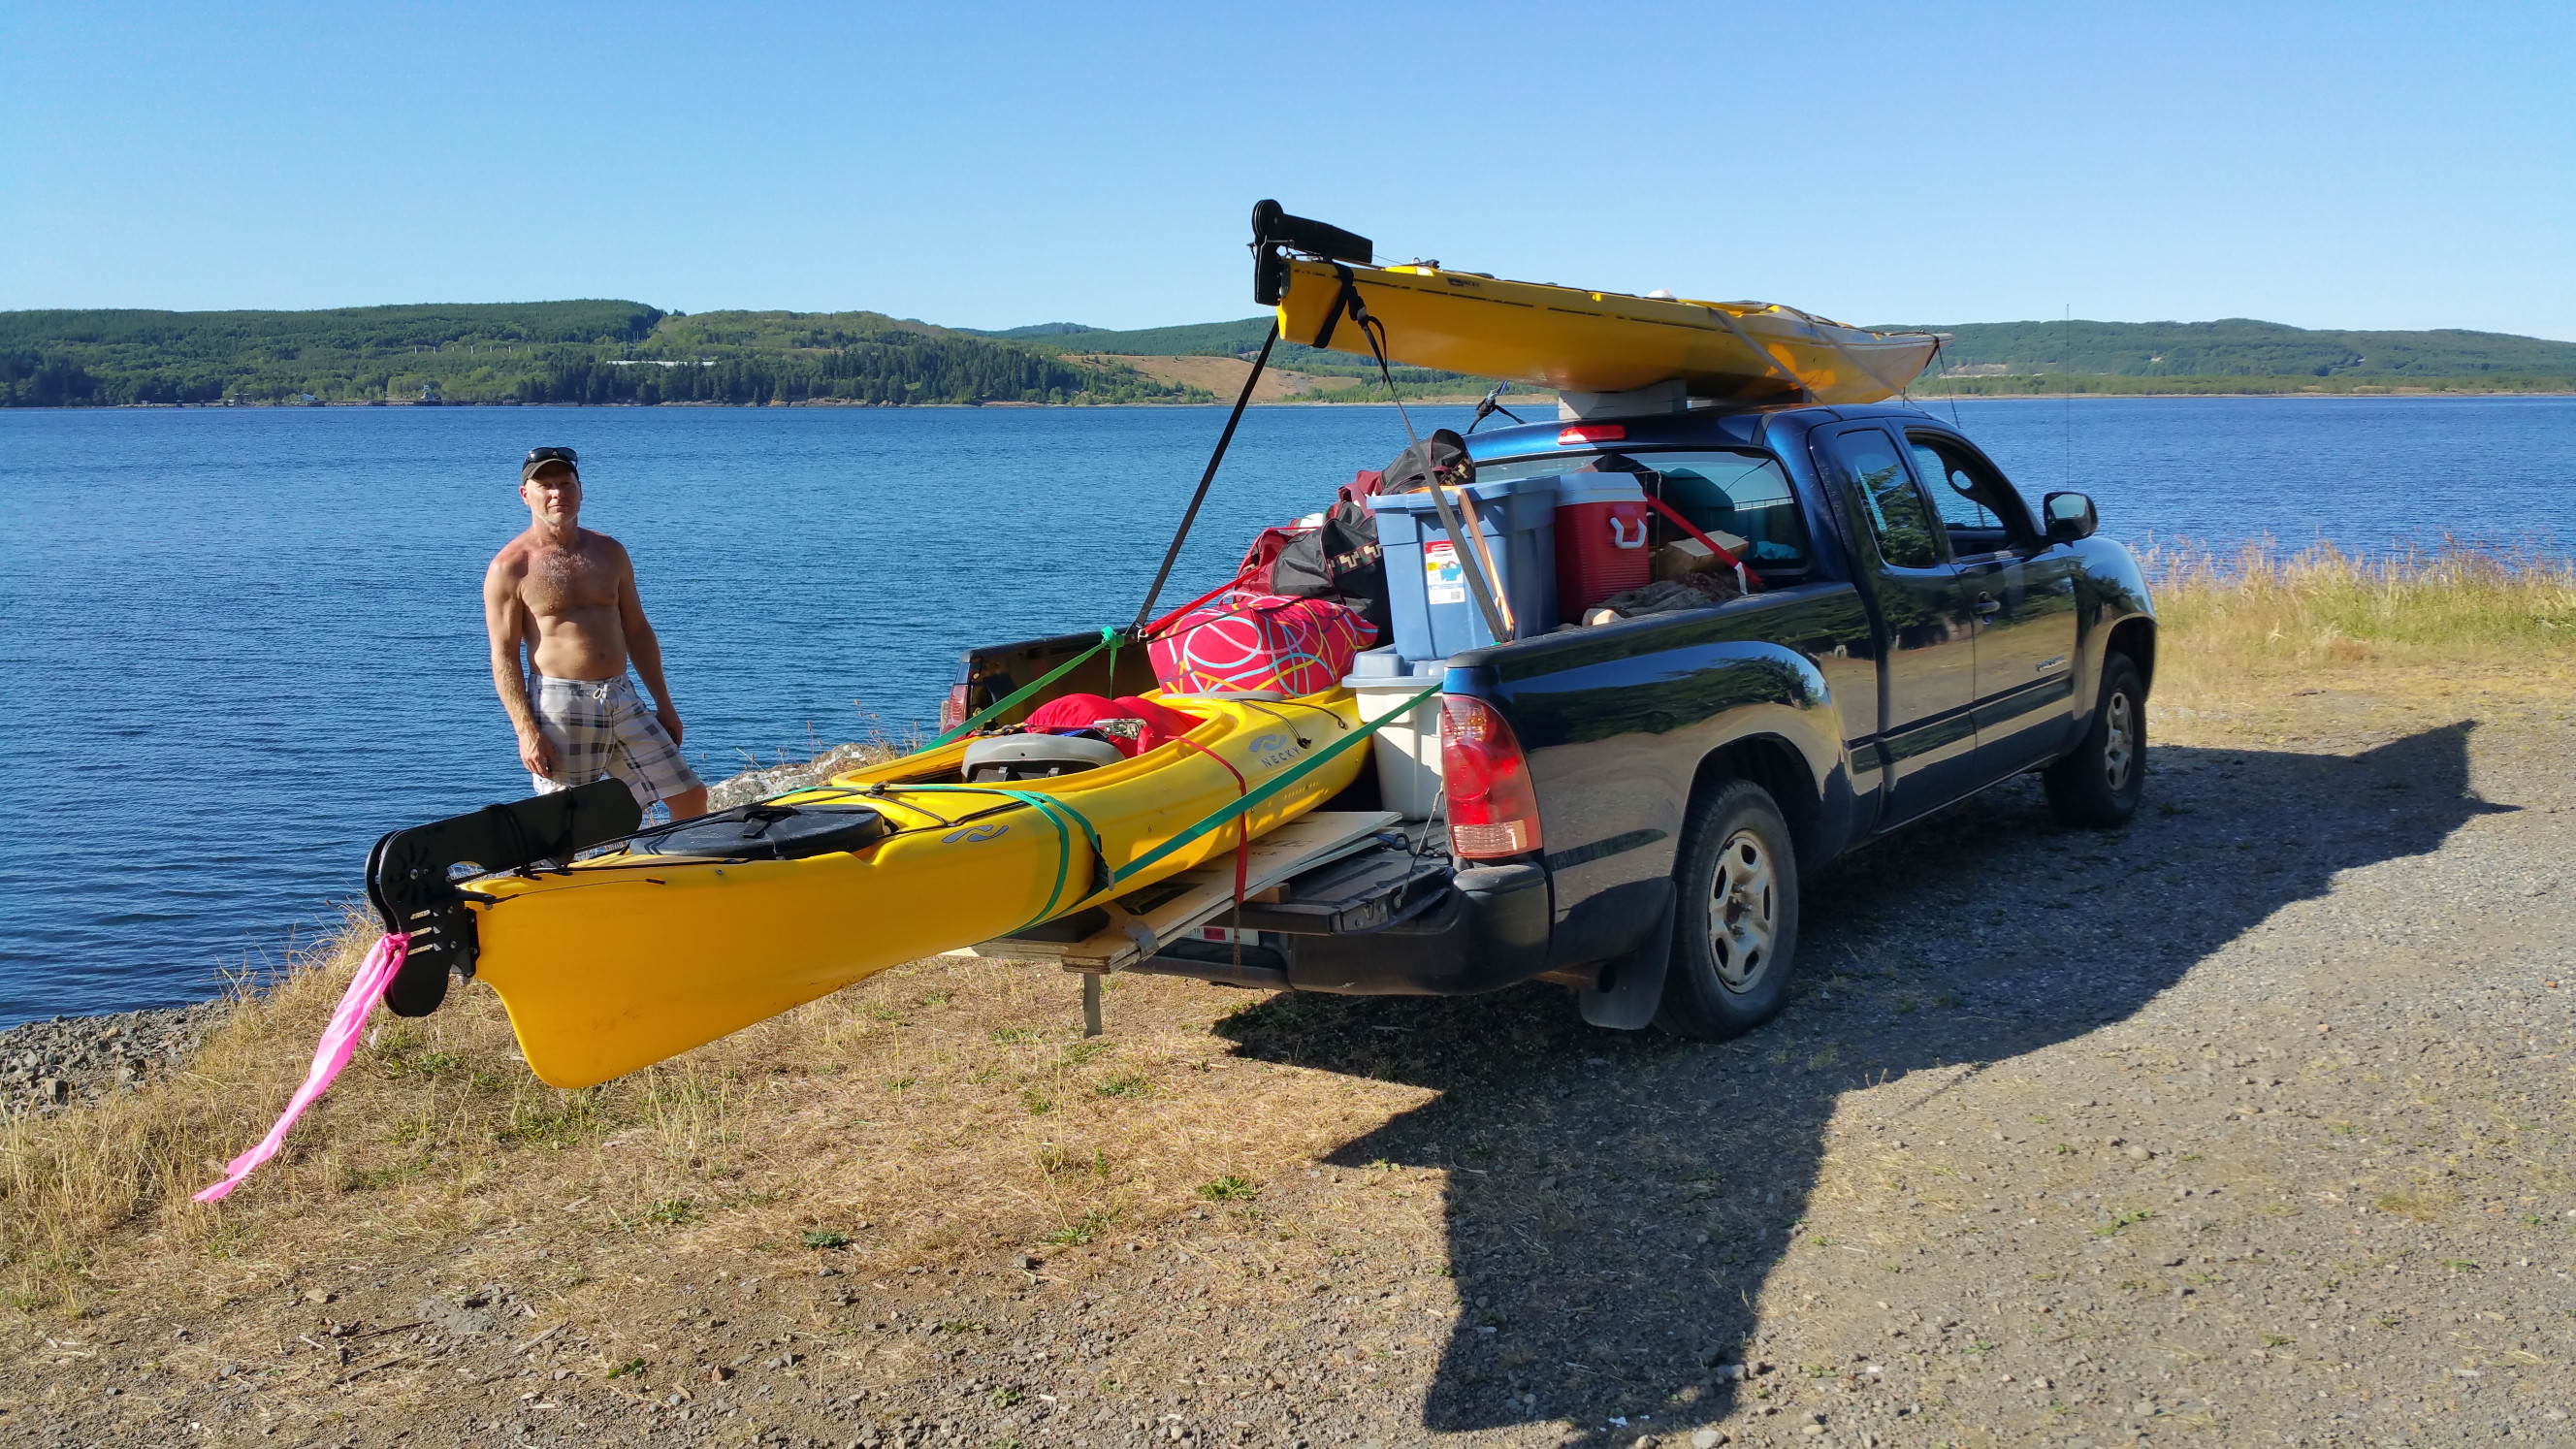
(1273, 749)
(974, 834)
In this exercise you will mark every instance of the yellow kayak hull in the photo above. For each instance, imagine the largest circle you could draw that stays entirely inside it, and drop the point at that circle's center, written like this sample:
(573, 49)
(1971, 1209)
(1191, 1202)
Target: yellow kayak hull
(1573, 340)
(625, 960)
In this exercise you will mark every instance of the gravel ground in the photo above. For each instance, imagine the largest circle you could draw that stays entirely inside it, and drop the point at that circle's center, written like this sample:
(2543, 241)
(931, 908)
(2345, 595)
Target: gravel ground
(50, 1064)
(2246, 1125)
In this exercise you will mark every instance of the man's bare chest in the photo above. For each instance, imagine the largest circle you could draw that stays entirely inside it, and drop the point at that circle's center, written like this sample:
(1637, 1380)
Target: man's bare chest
(566, 580)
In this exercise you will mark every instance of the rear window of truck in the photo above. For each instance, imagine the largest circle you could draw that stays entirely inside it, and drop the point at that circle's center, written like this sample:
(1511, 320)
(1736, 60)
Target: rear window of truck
(1718, 490)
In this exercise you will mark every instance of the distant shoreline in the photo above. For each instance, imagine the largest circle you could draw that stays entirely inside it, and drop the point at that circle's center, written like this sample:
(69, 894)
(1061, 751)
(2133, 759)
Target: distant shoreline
(1920, 400)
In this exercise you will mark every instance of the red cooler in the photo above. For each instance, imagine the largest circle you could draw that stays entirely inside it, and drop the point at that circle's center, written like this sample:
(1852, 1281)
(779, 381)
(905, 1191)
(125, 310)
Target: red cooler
(1600, 540)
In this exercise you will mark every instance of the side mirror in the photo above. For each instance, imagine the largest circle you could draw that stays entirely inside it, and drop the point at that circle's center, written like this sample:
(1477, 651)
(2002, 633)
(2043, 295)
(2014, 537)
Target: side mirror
(2070, 517)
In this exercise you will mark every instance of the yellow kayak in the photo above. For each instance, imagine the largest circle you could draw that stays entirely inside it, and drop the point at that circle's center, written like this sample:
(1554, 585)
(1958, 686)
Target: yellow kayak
(666, 942)
(1573, 340)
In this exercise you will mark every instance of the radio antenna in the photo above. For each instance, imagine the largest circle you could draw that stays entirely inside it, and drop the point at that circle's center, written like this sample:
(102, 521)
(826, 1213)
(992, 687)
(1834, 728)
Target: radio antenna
(2066, 384)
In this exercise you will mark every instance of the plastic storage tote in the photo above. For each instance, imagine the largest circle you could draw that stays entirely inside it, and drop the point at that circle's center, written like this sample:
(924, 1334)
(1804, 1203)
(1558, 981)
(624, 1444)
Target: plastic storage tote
(1426, 583)
(1406, 750)
(1600, 539)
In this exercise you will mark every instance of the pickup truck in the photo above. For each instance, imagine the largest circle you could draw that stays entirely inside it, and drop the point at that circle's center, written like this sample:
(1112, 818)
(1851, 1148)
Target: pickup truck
(1630, 805)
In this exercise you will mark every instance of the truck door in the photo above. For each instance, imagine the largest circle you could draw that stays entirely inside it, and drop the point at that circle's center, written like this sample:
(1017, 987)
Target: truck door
(1927, 688)
(2023, 590)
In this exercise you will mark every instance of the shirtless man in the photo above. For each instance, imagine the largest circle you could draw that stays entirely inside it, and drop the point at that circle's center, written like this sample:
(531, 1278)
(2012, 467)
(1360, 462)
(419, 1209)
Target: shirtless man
(568, 596)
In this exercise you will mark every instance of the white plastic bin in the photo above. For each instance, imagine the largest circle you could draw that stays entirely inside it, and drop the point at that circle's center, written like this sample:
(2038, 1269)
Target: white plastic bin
(1407, 750)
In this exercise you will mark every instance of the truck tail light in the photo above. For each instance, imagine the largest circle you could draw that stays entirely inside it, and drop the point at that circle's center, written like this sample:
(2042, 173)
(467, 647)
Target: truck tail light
(1493, 811)
(953, 710)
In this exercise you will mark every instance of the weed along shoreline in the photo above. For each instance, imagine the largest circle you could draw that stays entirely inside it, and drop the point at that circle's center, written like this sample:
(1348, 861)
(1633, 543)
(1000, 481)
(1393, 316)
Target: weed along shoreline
(2265, 1138)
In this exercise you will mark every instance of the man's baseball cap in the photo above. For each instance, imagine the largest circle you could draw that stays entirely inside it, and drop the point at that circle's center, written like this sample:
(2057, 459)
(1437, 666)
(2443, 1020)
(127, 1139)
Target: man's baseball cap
(540, 457)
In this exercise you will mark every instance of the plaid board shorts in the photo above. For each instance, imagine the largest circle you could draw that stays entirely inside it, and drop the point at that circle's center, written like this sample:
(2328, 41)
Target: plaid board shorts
(600, 727)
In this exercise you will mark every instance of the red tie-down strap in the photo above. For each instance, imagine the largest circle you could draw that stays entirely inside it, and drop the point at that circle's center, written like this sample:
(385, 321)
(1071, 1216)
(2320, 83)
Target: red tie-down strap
(1745, 578)
(1150, 630)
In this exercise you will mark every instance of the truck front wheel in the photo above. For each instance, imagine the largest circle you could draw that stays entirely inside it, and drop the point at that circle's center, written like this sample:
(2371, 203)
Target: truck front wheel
(1735, 923)
(2100, 784)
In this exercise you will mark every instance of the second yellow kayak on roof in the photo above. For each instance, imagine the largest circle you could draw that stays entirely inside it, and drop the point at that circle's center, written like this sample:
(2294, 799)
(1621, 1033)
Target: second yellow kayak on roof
(1573, 340)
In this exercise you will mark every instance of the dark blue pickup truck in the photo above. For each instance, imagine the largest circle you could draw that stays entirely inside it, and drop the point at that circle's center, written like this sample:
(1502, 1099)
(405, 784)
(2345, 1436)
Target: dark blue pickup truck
(1649, 790)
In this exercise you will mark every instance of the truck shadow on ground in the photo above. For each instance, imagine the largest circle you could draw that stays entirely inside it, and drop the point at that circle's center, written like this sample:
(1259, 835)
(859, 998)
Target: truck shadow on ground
(1618, 1200)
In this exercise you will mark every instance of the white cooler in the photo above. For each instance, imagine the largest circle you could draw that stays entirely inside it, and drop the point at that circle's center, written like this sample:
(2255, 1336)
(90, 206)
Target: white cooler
(1407, 750)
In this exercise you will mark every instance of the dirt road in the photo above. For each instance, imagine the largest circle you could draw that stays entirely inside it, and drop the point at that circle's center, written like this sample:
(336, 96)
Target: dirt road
(2247, 1125)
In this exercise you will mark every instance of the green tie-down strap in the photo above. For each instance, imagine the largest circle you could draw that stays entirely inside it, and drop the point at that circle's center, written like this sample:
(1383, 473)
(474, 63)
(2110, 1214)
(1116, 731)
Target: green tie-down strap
(1057, 813)
(1108, 640)
(1243, 804)
(1106, 882)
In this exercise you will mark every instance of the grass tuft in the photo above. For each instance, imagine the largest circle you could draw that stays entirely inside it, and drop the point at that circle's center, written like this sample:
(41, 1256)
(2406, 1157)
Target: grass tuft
(2263, 608)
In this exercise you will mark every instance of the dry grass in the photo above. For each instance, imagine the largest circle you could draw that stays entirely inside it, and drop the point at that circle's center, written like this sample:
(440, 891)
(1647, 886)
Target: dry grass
(2262, 612)
(942, 1108)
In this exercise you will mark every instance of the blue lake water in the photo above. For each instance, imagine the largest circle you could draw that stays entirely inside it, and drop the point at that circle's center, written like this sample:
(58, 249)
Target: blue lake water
(237, 645)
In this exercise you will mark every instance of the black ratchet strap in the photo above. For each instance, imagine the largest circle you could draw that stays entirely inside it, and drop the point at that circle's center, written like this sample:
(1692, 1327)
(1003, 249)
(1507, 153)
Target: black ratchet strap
(1347, 300)
(1190, 516)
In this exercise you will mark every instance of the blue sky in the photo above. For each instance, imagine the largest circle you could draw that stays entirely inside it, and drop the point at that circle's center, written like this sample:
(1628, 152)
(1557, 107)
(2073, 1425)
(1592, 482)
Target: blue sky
(2328, 166)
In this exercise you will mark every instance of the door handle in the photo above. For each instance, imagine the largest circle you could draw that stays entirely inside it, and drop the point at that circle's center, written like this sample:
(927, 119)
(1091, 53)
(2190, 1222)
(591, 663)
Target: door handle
(1986, 607)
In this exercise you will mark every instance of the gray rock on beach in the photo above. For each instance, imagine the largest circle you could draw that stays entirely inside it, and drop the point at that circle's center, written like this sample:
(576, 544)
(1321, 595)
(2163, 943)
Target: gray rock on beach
(50, 1064)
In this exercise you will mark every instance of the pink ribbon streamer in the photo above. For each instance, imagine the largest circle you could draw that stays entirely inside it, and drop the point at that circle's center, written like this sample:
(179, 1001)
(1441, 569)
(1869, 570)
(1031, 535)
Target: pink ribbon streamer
(339, 1042)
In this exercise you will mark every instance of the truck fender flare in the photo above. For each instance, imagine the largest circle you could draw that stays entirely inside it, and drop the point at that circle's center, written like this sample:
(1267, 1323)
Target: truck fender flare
(1801, 711)
(1821, 808)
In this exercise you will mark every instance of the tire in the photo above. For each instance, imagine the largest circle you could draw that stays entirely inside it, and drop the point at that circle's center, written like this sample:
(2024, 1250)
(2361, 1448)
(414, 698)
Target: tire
(2101, 783)
(1735, 917)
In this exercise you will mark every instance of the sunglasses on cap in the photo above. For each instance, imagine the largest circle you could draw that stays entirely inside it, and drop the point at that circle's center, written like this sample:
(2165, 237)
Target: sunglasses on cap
(552, 455)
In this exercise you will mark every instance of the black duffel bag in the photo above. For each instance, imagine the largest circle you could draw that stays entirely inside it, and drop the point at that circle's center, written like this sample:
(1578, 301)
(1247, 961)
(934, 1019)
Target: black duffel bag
(1339, 561)
(1441, 459)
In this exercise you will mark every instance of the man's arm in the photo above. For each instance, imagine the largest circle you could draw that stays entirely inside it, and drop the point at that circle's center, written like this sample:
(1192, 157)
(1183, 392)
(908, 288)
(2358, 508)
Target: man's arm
(641, 645)
(505, 619)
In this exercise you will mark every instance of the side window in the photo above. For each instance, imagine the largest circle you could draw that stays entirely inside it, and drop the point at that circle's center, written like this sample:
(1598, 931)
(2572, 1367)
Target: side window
(1953, 489)
(1739, 493)
(1732, 491)
(1982, 509)
(1897, 517)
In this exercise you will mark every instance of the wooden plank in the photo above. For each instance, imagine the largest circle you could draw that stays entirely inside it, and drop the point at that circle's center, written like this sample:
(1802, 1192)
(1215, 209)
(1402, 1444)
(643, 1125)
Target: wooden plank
(1175, 907)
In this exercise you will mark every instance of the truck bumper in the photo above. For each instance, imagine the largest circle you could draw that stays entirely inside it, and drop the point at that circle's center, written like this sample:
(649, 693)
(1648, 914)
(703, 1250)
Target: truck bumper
(1490, 932)
(1485, 929)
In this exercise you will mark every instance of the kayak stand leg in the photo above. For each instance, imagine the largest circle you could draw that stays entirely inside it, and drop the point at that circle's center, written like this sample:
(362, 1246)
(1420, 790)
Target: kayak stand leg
(1090, 1004)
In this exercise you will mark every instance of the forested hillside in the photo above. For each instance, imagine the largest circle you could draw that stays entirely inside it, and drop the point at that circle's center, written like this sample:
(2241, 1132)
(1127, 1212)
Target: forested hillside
(625, 352)
(2238, 354)
(539, 352)
(2234, 355)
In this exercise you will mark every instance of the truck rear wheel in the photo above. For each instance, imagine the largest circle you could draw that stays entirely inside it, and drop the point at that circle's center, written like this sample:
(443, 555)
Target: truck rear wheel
(2101, 783)
(1735, 922)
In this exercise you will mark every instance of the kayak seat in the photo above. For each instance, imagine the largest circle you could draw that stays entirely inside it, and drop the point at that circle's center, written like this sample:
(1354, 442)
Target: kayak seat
(1035, 757)
(765, 832)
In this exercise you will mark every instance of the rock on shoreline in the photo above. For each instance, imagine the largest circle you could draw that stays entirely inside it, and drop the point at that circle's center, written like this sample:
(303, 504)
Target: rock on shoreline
(48, 1065)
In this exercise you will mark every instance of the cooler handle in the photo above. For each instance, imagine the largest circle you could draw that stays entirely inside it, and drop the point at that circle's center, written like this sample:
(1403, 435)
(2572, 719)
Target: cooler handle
(1619, 534)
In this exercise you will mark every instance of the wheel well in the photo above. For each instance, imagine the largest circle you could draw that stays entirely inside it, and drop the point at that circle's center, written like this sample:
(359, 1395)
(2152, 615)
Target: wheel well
(2137, 639)
(1770, 762)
